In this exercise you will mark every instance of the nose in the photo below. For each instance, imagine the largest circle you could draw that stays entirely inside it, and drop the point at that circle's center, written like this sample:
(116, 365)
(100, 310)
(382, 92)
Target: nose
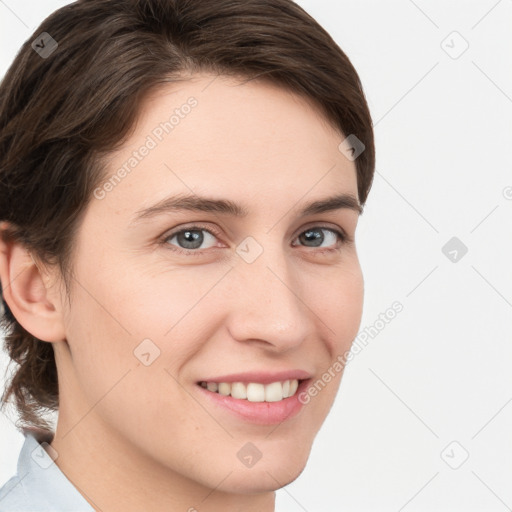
(268, 303)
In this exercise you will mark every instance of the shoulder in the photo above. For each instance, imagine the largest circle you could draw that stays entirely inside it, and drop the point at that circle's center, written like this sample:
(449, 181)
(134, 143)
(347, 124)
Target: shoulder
(13, 497)
(39, 485)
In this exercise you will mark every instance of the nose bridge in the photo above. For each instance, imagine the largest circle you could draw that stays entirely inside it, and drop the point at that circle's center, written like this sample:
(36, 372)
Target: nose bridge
(267, 300)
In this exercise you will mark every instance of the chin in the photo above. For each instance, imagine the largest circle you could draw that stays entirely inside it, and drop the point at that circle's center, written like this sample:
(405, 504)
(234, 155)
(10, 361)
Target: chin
(258, 482)
(265, 476)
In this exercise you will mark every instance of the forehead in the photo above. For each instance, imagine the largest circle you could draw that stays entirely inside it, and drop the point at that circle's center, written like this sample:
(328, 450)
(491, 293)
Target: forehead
(218, 136)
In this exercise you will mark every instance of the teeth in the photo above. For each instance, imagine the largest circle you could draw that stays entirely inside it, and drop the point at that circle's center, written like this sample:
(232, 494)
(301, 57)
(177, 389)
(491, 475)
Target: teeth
(294, 384)
(238, 390)
(254, 391)
(273, 392)
(212, 386)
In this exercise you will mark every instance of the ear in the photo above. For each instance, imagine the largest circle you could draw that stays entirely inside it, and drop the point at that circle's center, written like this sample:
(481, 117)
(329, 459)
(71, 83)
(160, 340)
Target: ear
(27, 290)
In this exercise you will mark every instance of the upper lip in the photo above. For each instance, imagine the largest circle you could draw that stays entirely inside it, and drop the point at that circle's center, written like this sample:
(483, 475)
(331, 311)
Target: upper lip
(262, 377)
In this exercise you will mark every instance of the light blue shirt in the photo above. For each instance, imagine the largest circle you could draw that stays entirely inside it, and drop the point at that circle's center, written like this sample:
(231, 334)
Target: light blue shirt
(40, 485)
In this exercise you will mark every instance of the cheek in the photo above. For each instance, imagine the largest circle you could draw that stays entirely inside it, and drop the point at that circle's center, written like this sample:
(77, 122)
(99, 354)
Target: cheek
(123, 364)
(100, 340)
(340, 304)
(154, 300)
(123, 320)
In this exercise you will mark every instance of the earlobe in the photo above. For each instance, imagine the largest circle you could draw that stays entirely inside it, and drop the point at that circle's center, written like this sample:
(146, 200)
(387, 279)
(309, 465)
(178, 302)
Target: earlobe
(26, 290)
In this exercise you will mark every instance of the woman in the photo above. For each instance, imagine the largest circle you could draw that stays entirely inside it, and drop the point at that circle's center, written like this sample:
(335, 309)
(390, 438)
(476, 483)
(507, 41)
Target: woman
(181, 185)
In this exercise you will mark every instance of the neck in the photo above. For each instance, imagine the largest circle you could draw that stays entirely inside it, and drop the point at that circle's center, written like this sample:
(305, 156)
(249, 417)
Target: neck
(114, 476)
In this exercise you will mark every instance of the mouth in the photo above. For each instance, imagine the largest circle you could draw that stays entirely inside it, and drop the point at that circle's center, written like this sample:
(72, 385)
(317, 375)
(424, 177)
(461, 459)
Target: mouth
(259, 403)
(255, 391)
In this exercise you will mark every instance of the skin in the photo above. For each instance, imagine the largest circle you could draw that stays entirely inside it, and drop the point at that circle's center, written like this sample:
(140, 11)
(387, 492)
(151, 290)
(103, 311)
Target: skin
(133, 437)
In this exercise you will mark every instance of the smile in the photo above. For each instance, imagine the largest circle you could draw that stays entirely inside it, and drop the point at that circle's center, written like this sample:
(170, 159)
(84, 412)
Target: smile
(254, 391)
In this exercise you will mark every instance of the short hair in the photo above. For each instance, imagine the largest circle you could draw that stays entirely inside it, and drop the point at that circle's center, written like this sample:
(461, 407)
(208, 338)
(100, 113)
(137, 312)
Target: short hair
(61, 111)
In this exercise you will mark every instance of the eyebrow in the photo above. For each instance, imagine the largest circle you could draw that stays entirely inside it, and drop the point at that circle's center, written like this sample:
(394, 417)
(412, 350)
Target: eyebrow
(227, 207)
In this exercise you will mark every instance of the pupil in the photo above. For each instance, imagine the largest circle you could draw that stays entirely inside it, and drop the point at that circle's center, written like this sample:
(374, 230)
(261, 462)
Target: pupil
(191, 239)
(315, 236)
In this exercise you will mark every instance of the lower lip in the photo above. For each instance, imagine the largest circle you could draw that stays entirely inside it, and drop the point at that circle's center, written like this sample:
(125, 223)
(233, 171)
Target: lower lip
(261, 413)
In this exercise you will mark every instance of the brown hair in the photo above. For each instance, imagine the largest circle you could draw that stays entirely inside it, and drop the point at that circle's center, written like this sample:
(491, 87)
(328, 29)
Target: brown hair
(61, 110)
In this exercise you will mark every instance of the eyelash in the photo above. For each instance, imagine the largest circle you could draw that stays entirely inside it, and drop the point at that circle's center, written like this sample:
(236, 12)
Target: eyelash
(343, 238)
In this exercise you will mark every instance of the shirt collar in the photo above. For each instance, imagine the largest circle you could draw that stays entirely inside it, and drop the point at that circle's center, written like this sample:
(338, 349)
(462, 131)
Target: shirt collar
(42, 481)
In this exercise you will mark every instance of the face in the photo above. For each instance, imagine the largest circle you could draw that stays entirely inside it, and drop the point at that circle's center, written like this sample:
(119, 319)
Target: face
(171, 296)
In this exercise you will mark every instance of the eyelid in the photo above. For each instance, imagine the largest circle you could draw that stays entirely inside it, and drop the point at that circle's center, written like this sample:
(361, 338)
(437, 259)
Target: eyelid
(343, 239)
(193, 226)
(343, 236)
(322, 225)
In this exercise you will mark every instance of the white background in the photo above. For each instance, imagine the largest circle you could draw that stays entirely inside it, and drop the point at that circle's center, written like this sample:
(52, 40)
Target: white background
(440, 371)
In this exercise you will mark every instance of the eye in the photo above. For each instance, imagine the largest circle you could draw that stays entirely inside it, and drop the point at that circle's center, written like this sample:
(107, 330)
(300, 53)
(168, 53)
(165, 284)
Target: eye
(192, 238)
(315, 237)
